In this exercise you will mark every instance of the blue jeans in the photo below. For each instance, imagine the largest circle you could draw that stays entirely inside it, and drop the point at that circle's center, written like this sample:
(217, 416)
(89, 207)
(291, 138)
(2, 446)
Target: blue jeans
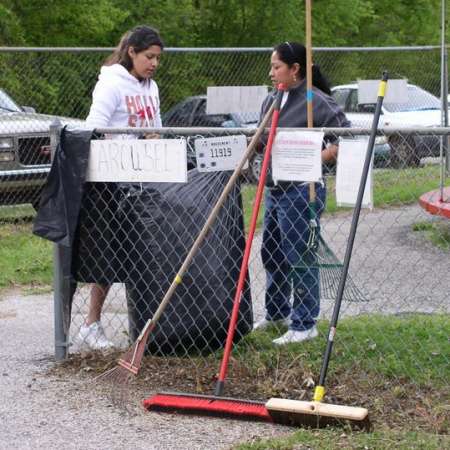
(285, 238)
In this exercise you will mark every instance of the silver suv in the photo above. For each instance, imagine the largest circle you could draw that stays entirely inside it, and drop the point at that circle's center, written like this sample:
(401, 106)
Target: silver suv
(24, 150)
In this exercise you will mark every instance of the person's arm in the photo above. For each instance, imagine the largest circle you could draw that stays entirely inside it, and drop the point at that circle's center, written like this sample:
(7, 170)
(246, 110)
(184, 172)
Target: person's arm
(158, 121)
(104, 104)
(334, 117)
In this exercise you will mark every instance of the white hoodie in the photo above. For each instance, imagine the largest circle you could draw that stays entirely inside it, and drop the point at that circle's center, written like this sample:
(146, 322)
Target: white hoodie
(121, 100)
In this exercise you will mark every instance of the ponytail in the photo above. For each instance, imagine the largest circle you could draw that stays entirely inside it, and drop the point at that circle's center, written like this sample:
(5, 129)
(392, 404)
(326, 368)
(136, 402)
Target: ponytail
(319, 80)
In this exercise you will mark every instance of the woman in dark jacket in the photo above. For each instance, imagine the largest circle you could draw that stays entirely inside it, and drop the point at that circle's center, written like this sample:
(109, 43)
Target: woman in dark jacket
(287, 216)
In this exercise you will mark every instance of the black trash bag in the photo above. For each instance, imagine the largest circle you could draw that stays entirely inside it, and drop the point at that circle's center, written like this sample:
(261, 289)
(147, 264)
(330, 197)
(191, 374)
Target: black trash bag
(59, 205)
(163, 221)
(57, 215)
(100, 246)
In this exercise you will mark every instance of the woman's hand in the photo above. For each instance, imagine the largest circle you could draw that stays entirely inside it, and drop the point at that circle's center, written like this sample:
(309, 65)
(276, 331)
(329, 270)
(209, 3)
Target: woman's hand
(151, 136)
(330, 153)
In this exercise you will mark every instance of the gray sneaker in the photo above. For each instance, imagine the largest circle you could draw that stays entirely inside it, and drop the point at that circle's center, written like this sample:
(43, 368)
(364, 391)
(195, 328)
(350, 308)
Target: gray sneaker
(265, 323)
(94, 337)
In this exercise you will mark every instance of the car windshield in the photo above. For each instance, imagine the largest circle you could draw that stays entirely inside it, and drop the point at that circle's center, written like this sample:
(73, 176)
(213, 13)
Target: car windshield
(7, 103)
(418, 100)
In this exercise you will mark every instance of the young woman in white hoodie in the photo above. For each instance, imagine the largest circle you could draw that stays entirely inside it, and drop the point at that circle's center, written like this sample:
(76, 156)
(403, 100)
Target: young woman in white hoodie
(125, 96)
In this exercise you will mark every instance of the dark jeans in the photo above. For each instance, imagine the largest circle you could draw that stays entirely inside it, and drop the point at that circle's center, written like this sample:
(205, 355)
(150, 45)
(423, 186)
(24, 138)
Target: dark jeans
(285, 237)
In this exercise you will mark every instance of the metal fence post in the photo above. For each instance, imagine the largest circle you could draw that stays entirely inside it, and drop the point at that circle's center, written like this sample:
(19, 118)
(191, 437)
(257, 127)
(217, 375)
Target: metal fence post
(59, 288)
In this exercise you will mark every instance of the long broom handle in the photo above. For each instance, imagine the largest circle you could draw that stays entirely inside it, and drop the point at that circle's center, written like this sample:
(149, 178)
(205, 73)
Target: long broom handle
(248, 246)
(320, 390)
(309, 92)
(211, 218)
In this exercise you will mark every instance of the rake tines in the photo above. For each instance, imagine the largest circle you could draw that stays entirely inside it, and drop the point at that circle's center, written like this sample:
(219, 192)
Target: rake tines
(117, 375)
(130, 363)
(118, 379)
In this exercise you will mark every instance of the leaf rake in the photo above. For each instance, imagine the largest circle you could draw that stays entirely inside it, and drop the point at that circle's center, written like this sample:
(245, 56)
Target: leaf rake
(130, 362)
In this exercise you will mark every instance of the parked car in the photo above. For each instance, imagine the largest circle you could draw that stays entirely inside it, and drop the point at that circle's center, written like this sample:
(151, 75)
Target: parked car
(191, 112)
(24, 150)
(421, 109)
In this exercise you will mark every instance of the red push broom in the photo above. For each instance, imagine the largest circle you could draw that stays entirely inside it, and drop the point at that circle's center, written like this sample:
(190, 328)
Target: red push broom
(216, 404)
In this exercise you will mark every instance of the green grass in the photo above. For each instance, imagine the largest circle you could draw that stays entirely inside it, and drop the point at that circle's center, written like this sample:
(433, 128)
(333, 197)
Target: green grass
(391, 187)
(414, 348)
(342, 439)
(24, 259)
(391, 364)
(438, 232)
(10, 214)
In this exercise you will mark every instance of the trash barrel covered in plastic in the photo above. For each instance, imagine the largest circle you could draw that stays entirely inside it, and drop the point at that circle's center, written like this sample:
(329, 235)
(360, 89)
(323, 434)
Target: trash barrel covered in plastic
(163, 222)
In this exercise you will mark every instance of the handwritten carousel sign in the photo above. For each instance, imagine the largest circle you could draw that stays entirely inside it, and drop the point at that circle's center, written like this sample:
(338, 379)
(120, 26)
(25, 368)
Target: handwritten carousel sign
(138, 160)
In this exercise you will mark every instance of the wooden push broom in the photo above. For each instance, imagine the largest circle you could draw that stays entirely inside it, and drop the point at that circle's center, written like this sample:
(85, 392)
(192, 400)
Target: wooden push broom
(316, 412)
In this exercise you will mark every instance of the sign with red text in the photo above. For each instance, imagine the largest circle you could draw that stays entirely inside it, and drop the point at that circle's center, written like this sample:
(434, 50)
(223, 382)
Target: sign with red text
(296, 156)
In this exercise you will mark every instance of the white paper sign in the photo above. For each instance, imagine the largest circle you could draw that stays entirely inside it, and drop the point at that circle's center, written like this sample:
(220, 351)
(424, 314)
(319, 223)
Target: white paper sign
(396, 91)
(296, 156)
(220, 153)
(146, 160)
(234, 99)
(350, 163)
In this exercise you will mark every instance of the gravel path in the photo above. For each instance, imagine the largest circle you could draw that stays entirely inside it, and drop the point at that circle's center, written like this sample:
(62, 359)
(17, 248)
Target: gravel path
(41, 411)
(397, 270)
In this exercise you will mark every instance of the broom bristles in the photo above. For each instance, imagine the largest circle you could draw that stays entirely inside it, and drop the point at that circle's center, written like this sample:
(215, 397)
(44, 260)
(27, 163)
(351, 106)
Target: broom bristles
(207, 405)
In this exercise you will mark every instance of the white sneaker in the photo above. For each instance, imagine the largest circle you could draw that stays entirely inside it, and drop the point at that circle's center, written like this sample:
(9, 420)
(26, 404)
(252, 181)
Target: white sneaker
(265, 323)
(94, 336)
(296, 336)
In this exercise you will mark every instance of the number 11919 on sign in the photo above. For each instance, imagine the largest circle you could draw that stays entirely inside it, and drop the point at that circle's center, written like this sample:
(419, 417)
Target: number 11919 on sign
(220, 153)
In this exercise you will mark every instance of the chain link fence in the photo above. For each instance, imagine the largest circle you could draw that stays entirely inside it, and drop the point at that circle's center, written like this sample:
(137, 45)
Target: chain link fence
(131, 238)
(59, 82)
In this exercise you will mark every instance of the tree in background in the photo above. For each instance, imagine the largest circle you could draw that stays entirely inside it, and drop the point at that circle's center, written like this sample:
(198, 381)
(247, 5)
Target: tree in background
(63, 83)
(59, 23)
(220, 23)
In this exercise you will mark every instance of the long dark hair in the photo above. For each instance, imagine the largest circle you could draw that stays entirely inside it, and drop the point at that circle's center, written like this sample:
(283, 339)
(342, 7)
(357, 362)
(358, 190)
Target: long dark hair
(293, 52)
(140, 38)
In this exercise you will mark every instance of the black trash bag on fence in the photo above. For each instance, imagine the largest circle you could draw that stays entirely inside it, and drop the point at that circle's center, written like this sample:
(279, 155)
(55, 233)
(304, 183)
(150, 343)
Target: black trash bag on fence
(100, 247)
(163, 221)
(57, 215)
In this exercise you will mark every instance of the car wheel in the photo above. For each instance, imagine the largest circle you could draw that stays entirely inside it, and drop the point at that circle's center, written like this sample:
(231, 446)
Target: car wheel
(403, 151)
